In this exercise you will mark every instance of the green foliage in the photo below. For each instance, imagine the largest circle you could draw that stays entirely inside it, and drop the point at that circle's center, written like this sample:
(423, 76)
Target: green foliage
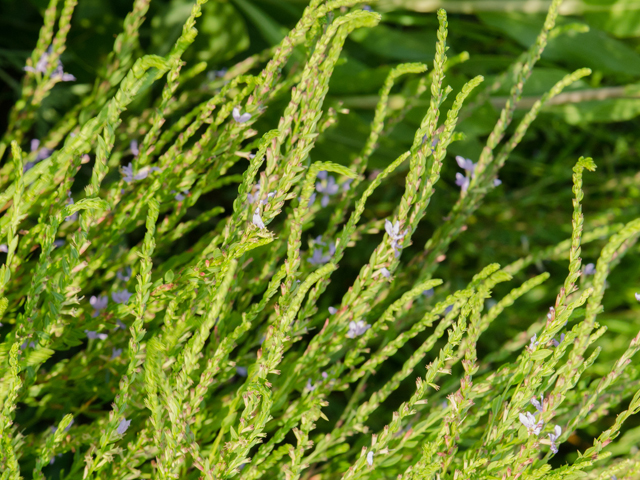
(181, 296)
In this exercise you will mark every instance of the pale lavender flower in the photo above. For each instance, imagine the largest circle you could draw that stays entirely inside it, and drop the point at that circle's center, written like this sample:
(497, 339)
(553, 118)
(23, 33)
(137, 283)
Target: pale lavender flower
(318, 240)
(428, 293)
(180, 196)
(357, 328)
(58, 243)
(269, 195)
(129, 175)
(91, 335)
(257, 219)
(589, 269)
(115, 352)
(34, 144)
(327, 186)
(98, 304)
(121, 325)
(325, 375)
(70, 201)
(465, 164)
(126, 276)
(367, 8)
(529, 421)
(310, 386)
(124, 425)
(133, 146)
(61, 75)
(319, 257)
(538, 404)
(462, 181)
(557, 343)
(312, 199)
(252, 198)
(346, 185)
(553, 437)
(551, 314)
(385, 272)
(28, 344)
(638, 296)
(534, 342)
(448, 309)
(121, 297)
(242, 371)
(41, 64)
(393, 230)
(245, 117)
(370, 458)
(333, 310)
(4, 248)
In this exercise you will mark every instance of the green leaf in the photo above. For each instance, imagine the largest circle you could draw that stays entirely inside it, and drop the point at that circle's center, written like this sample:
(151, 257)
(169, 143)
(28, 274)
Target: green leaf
(541, 354)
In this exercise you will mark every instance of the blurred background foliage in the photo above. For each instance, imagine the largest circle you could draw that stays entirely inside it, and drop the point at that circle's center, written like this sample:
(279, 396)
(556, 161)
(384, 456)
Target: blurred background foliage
(597, 117)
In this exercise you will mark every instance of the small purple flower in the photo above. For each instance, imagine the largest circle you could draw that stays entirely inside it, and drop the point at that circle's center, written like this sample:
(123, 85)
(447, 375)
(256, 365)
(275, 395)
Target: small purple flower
(310, 386)
(448, 309)
(393, 230)
(242, 371)
(538, 404)
(367, 8)
(253, 198)
(122, 296)
(70, 201)
(465, 164)
(346, 185)
(534, 342)
(462, 181)
(333, 310)
(557, 343)
(319, 257)
(126, 276)
(121, 325)
(589, 269)
(327, 186)
(98, 304)
(245, 117)
(4, 248)
(133, 146)
(312, 199)
(257, 219)
(370, 458)
(115, 352)
(357, 328)
(385, 272)
(325, 375)
(28, 344)
(638, 296)
(553, 437)
(529, 421)
(180, 196)
(91, 335)
(551, 314)
(58, 243)
(128, 175)
(124, 425)
(428, 293)
(269, 195)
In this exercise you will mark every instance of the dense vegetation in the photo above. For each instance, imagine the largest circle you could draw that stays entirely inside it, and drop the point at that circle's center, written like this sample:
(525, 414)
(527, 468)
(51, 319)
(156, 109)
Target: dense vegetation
(319, 240)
